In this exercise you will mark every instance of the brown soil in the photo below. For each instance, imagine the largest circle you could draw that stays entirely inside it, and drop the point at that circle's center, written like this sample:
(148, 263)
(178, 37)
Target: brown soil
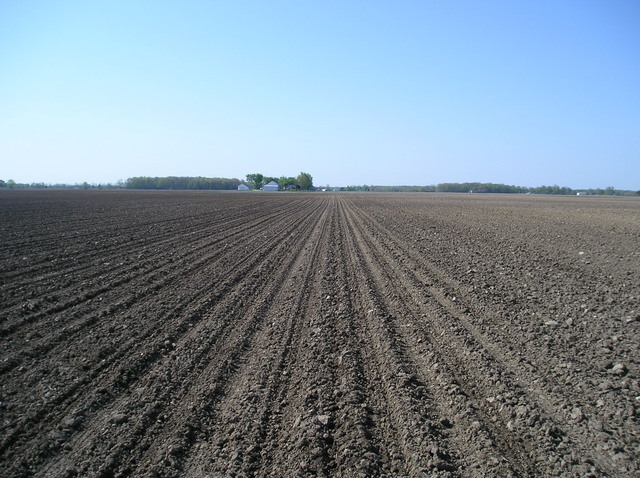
(165, 334)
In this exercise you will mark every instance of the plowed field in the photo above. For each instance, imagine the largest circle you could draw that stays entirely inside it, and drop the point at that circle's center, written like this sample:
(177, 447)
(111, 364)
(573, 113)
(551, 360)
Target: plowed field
(165, 334)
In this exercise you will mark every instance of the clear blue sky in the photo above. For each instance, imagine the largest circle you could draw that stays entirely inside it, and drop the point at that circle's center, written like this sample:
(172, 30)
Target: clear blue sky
(353, 92)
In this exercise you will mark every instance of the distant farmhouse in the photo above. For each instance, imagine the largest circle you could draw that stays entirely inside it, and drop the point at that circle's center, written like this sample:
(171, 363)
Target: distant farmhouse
(271, 186)
(243, 187)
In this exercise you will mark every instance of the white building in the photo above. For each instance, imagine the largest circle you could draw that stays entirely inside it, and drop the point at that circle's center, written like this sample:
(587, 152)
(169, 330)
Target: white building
(271, 186)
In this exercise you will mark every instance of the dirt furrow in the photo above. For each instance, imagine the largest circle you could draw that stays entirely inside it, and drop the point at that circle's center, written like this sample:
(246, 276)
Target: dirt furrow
(156, 274)
(491, 378)
(256, 318)
(135, 367)
(247, 418)
(543, 287)
(134, 260)
(537, 394)
(371, 407)
(92, 250)
(329, 427)
(96, 216)
(421, 426)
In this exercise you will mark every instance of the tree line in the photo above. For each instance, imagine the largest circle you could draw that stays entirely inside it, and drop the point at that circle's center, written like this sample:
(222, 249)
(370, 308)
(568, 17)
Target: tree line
(304, 181)
(182, 182)
(11, 184)
(476, 187)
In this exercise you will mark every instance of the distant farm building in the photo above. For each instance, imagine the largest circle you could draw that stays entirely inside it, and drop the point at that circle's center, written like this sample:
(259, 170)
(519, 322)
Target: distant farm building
(243, 187)
(271, 186)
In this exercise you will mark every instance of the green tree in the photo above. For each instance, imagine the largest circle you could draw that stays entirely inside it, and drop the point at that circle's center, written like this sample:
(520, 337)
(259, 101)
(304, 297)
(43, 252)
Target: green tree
(285, 182)
(305, 181)
(256, 180)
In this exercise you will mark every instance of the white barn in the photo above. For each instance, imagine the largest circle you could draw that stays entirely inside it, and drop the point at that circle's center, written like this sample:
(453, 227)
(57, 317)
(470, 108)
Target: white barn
(271, 186)
(243, 187)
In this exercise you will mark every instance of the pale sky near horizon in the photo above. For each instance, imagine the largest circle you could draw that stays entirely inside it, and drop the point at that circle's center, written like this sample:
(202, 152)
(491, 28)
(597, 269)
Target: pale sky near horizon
(378, 92)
